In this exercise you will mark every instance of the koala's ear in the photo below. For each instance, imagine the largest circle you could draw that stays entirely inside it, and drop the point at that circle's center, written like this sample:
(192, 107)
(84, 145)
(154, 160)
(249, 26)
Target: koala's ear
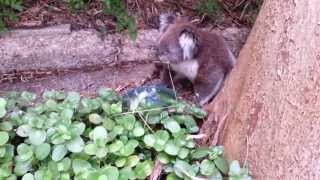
(165, 20)
(189, 43)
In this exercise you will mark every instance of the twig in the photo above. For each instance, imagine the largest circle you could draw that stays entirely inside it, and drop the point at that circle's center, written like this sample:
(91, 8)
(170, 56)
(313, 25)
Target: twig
(145, 122)
(244, 10)
(145, 110)
(174, 88)
(238, 5)
(190, 176)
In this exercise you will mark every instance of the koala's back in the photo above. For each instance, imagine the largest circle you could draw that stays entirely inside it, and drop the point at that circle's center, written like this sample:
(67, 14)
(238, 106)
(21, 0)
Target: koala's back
(214, 52)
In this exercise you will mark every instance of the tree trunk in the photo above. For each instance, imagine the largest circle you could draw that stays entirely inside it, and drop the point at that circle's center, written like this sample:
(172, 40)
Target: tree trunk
(270, 103)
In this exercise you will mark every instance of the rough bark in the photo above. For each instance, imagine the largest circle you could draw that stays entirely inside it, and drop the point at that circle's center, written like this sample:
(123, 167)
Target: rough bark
(271, 101)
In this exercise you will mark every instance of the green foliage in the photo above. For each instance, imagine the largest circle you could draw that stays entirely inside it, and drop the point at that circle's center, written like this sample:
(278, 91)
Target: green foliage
(64, 136)
(117, 9)
(208, 7)
(7, 11)
(75, 5)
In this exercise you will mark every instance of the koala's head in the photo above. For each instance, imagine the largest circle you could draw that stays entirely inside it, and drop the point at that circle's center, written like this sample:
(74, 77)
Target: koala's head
(178, 39)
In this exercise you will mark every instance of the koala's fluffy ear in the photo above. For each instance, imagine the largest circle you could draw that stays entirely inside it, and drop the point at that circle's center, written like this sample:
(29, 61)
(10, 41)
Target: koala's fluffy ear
(165, 20)
(188, 41)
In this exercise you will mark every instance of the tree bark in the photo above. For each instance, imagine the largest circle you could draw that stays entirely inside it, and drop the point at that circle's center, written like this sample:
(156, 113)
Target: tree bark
(270, 103)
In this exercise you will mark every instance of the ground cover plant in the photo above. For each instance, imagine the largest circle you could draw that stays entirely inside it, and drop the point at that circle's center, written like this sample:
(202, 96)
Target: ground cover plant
(66, 136)
(7, 10)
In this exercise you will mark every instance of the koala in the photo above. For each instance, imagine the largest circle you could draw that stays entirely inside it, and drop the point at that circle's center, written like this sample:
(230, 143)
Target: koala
(201, 57)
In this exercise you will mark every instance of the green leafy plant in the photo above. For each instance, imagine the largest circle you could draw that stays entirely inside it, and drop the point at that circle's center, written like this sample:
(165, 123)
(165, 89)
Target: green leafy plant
(117, 9)
(209, 8)
(76, 5)
(64, 136)
(7, 10)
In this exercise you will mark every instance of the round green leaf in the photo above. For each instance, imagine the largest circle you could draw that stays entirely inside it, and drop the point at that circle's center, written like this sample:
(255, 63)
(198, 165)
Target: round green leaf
(101, 152)
(127, 121)
(120, 162)
(216, 175)
(161, 139)
(138, 131)
(65, 176)
(6, 170)
(90, 149)
(79, 165)
(95, 118)
(3, 110)
(6, 126)
(183, 153)
(37, 137)
(66, 115)
(107, 94)
(115, 146)
(149, 140)
(132, 161)
(52, 94)
(126, 173)
(118, 130)
(191, 144)
(95, 175)
(221, 164)
(109, 124)
(111, 172)
(76, 145)
(28, 176)
(172, 176)
(25, 152)
(64, 165)
(59, 152)
(4, 138)
(72, 100)
(181, 167)
(42, 151)
(44, 174)
(27, 96)
(172, 126)
(200, 152)
(129, 148)
(171, 148)
(144, 169)
(99, 132)
(77, 128)
(22, 168)
(2, 152)
(191, 124)
(207, 167)
(215, 152)
(24, 130)
(235, 168)
(163, 158)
